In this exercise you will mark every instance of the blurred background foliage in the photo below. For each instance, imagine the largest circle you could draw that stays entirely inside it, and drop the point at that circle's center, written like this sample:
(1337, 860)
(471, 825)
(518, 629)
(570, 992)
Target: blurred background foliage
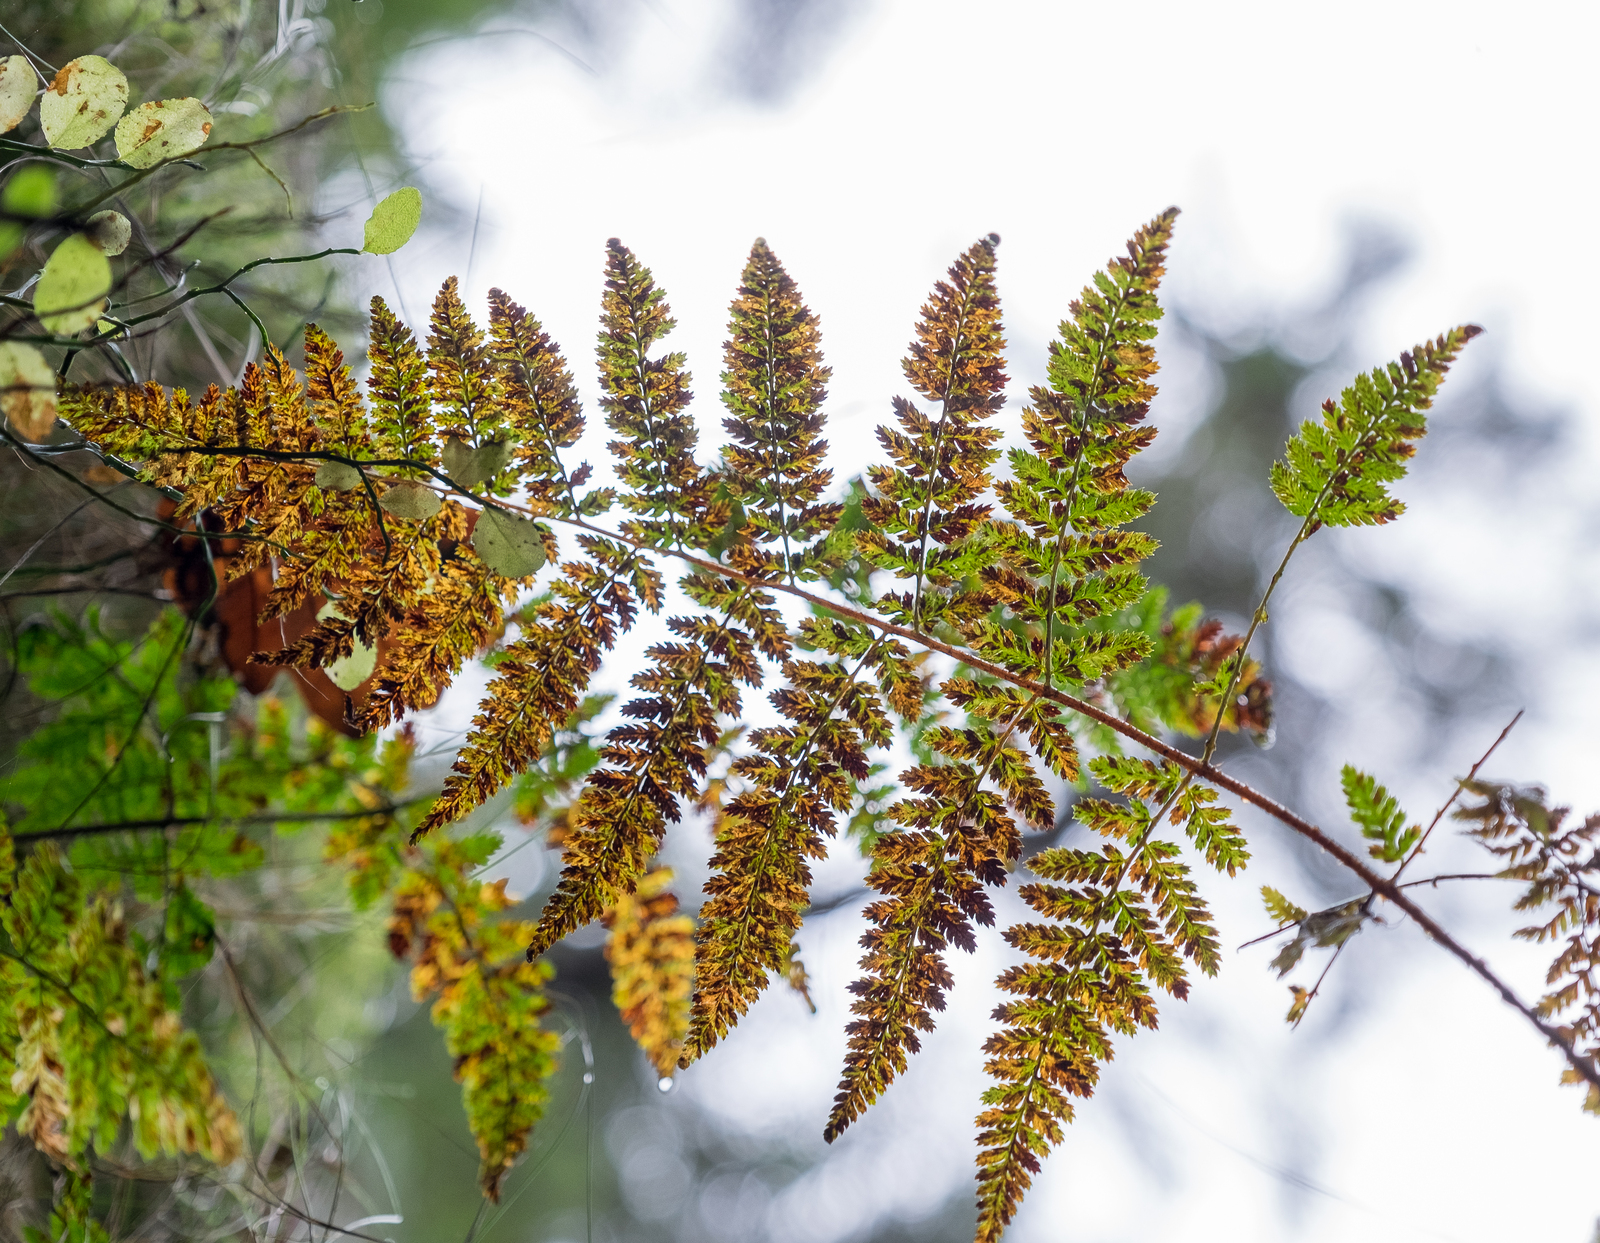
(353, 1095)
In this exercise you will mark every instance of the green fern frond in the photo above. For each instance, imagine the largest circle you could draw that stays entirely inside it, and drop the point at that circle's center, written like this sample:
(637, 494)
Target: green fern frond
(1334, 473)
(1066, 561)
(95, 1043)
(1379, 815)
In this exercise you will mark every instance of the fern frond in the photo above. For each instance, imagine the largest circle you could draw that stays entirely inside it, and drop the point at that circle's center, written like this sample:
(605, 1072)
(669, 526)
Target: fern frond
(651, 952)
(1334, 473)
(464, 383)
(774, 387)
(376, 592)
(1066, 561)
(1379, 816)
(455, 619)
(646, 403)
(800, 776)
(954, 840)
(923, 511)
(336, 406)
(653, 765)
(544, 673)
(98, 1043)
(1125, 920)
(487, 998)
(398, 389)
(540, 405)
(1559, 866)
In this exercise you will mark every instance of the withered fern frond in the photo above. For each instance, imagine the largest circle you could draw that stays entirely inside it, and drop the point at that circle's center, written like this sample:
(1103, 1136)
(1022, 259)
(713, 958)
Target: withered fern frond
(397, 387)
(800, 777)
(464, 382)
(540, 406)
(1559, 865)
(451, 622)
(646, 403)
(544, 674)
(774, 387)
(651, 952)
(656, 763)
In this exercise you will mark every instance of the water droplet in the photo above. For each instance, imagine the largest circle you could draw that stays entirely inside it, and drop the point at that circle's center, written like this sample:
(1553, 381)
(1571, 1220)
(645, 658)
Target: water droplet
(664, 1084)
(588, 1076)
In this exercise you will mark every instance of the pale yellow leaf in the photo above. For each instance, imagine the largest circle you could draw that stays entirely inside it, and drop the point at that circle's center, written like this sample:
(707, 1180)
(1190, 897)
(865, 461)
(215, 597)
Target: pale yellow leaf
(109, 231)
(162, 130)
(18, 86)
(27, 391)
(83, 102)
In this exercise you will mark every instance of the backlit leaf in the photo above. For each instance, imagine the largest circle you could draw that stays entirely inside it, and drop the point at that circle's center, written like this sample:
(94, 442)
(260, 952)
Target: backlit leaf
(109, 231)
(409, 499)
(163, 129)
(31, 191)
(18, 86)
(83, 102)
(27, 391)
(392, 222)
(339, 477)
(71, 292)
(470, 466)
(509, 545)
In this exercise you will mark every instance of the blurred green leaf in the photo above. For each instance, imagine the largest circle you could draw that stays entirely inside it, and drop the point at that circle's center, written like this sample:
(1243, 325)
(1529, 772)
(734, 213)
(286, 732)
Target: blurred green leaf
(71, 292)
(392, 222)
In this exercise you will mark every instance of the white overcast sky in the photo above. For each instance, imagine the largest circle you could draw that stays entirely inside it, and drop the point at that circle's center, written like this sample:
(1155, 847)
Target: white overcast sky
(1469, 128)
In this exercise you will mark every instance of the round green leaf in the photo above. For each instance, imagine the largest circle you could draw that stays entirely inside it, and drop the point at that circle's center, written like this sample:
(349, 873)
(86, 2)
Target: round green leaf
(392, 222)
(31, 192)
(338, 476)
(349, 672)
(409, 499)
(470, 467)
(83, 102)
(162, 130)
(72, 288)
(18, 86)
(509, 545)
(109, 231)
(27, 391)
